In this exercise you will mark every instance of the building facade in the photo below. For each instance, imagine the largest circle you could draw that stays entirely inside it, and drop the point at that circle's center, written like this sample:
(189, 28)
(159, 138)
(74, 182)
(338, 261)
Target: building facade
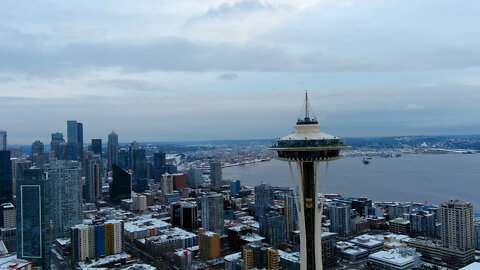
(66, 179)
(34, 198)
(212, 213)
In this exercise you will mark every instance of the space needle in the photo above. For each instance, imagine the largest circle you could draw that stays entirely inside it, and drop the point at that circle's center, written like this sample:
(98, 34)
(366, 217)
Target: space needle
(307, 147)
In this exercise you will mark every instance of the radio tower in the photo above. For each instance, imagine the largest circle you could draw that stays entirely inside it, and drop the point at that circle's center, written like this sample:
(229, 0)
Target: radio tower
(307, 147)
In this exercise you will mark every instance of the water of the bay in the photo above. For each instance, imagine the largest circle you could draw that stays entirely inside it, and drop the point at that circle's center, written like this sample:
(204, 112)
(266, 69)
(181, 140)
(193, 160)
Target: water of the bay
(410, 178)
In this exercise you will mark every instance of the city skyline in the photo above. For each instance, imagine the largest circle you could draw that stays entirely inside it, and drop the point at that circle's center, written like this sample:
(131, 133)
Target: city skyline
(373, 68)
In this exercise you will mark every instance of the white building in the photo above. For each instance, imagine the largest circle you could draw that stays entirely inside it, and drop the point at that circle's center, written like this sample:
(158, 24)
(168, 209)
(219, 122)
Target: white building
(394, 259)
(232, 260)
(167, 184)
(139, 203)
(8, 217)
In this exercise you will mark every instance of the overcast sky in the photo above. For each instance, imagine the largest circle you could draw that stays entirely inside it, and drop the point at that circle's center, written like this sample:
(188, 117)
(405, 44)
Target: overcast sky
(200, 70)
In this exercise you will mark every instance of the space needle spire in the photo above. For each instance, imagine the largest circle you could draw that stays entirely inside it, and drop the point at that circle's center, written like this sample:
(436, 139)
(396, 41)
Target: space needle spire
(307, 147)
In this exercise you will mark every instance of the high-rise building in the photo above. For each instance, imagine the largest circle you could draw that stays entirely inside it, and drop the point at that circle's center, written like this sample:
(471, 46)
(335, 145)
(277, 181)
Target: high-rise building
(5, 177)
(139, 203)
(291, 217)
(208, 245)
(422, 223)
(167, 184)
(7, 216)
(340, 218)
(95, 241)
(212, 213)
(114, 231)
(179, 181)
(72, 140)
(273, 259)
(66, 179)
(159, 165)
(307, 148)
(112, 149)
(272, 227)
(133, 146)
(139, 163)
(55, 144)
(34, 200)
(3, 140)
(37, 156)
(263, 199)
(457, 225)
(194, 177)
(80, 140)
(121, 186)
(18, 168)
(123, 159)
(93, 177)
(97, 147)
(216, 174)
(235, 187)
(189, 216)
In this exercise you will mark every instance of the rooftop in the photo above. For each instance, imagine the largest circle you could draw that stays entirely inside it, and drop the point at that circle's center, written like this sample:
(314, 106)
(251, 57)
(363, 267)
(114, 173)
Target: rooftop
(398, 257)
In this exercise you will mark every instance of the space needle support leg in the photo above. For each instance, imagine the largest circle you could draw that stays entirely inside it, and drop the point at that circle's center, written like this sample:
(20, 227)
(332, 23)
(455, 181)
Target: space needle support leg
(301, 219)
(318, 218)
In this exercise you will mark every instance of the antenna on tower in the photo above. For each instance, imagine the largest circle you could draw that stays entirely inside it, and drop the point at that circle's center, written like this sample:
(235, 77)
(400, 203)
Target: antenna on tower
(304, 117)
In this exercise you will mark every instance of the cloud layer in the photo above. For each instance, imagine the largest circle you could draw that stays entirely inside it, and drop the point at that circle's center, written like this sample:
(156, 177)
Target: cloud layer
(158, 70)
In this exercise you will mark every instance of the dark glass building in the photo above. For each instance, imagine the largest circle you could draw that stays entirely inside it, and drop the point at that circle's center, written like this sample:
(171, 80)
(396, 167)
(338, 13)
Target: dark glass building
(97, 147)
(123, 159)
(5, 177)
(121, 187)
(37, 154)
(159, 162)
(80, 140)
(33, 218)
(139, 163)
(55, 144)
(72, 140)
(112, 149)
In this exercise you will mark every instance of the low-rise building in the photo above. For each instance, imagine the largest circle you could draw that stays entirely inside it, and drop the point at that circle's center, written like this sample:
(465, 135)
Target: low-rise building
(368, 242)
(395, 259)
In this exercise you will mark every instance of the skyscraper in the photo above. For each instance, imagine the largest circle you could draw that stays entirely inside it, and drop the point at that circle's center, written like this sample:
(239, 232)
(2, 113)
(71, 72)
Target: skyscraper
(80, 140)
(167, 184)
(123, 159)
(55, 144)
(66, 179)
(212, 213)
(72, 140)
(37, 154)
(235, 187)
(121, 186)
(307, 147)
(216, 174)
(139, 163)
(272, 227)
(93, 177)
(159, 162)
(33, 218)
(291, 217)
(194, 177)
(112, 149)
(5, 177)
(263, 199)
(457, 225)
(97, 147)
(3, 140)
(340, 218)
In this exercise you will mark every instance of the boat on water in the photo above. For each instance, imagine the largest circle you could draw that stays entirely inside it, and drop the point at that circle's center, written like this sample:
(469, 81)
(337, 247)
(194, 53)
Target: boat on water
(366, 160)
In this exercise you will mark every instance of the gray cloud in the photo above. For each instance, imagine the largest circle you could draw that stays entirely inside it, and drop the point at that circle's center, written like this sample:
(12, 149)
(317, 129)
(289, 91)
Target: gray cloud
(228, 76)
